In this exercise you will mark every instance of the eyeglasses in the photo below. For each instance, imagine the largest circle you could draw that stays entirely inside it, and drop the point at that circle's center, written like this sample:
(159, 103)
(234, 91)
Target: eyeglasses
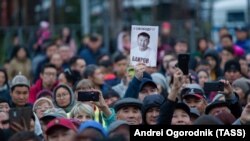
(61, 95)
(43, 108)
(50, 74)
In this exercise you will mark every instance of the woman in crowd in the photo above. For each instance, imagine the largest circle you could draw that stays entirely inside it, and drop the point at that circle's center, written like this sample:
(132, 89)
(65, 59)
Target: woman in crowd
(41, 105)
(63, 97)
(20, 63)
(4, 85)
(82, 112)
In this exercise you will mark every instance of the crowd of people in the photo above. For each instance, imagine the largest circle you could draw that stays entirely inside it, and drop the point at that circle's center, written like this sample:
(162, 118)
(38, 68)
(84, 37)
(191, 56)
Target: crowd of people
(86, 93)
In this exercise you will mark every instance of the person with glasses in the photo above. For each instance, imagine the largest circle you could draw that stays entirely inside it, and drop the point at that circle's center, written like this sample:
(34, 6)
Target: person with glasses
(63, 97)
(48, 80)
(41, 105)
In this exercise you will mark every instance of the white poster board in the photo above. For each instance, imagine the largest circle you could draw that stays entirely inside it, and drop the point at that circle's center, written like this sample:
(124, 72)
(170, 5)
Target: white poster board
(144, 44)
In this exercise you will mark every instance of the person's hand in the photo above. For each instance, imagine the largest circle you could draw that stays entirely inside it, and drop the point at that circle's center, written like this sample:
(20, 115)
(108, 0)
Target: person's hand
(102, 105)
(139, 69)
(228, 89)
(177, 84)
(245, 115)
(177, 79)
(17, 127)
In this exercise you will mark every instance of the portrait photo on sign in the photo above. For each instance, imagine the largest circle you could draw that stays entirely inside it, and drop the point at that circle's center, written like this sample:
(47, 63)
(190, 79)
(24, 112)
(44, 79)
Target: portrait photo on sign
(144, 42)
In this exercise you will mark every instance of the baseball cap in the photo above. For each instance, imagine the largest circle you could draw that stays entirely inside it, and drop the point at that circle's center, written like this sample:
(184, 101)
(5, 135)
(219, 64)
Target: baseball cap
(114, 125)
(54, 113)
(92, 124)
(20, 80)
(193, 90)
(145, 81)
(60, 122)
(125, 102)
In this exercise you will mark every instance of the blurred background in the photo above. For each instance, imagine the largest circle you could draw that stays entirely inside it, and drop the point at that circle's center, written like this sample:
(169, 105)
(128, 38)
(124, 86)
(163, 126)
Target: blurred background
(190, 19)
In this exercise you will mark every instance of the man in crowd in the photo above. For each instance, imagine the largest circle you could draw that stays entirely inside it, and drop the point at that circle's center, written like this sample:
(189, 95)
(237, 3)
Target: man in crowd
(48, 80)
(129, 109)
(20, 87)
(60, 129)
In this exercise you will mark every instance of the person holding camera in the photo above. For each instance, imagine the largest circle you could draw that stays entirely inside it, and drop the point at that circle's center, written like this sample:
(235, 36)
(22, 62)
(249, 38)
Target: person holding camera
(85, 92)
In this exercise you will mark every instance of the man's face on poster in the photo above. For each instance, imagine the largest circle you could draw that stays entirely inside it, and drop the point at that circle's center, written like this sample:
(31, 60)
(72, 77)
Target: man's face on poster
(143, 42)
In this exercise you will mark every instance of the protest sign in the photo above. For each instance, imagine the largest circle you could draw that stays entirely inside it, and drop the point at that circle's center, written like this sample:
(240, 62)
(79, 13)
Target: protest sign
(144, 43)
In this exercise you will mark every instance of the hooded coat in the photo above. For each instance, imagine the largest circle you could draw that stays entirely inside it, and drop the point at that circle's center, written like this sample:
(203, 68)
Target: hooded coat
(151, 101)
(68, 108)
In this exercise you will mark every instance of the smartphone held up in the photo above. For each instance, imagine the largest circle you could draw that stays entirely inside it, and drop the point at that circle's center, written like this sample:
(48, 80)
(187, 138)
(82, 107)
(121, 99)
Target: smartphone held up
(88, 96)
(213, 86)
(183, 63)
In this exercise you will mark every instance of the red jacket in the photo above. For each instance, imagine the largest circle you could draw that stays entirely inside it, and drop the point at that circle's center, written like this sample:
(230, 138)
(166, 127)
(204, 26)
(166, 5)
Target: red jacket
(36, 88)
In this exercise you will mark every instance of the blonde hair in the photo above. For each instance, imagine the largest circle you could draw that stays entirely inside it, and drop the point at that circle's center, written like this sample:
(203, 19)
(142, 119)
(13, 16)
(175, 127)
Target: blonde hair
(40, 100)
(81, 107)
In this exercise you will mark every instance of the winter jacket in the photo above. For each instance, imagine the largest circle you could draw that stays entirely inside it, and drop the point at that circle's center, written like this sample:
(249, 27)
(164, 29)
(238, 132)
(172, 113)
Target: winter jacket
(133, 87)
(151, 101)
(36, 88)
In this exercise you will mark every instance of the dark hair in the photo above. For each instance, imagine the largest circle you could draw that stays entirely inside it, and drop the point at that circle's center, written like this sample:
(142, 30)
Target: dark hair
(199, 40)
(144, 34)
(6, 76)
(106, 63)
(47, 44)
(16, 50)
(25, 135)
(48, 66)
(227, 36)
(230, 50)
(72, 76)
(119, 57)
(111, 93)
(119, 137)
(90, 70)
(203, 62)
(6, 61)
(94, 37)
(73, 60)
(184, 41)
(68, 38)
